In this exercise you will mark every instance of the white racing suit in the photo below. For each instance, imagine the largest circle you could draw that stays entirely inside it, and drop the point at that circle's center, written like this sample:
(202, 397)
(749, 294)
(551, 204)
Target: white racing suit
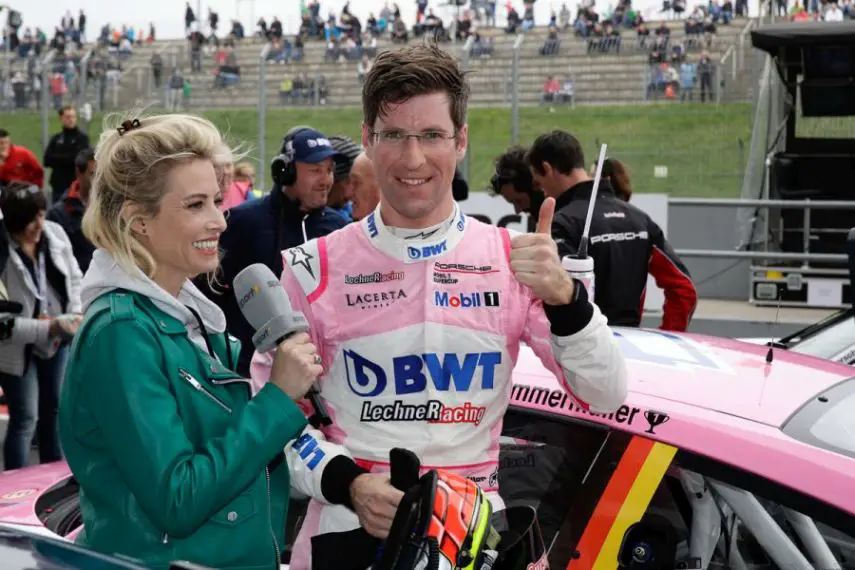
(418, 338)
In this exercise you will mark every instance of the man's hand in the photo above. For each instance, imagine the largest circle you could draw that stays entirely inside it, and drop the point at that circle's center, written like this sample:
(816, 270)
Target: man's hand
(534, 261)
(375, 501)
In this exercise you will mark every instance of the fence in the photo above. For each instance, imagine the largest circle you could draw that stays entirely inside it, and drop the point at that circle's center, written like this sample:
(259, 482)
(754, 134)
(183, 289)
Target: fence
(680, 149)
(676, 149)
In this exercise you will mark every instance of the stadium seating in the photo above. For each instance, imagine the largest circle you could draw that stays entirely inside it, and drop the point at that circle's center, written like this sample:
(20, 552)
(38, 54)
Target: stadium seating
(603, 79)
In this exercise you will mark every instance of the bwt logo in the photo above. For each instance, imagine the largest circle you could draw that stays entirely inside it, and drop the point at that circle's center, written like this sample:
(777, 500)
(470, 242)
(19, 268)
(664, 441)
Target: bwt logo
(253, 291)
(466, 300)
(372, 226)
(410, 373)
(426, 251)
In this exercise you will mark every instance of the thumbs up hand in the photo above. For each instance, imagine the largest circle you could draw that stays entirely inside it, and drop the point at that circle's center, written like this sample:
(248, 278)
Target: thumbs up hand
(535, 262)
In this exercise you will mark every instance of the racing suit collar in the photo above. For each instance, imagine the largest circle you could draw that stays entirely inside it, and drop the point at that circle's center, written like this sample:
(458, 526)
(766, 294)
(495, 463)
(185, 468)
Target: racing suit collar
(582, 191)
(414, 249)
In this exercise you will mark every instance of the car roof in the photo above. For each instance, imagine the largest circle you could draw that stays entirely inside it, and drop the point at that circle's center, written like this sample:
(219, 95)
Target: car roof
(713, 374)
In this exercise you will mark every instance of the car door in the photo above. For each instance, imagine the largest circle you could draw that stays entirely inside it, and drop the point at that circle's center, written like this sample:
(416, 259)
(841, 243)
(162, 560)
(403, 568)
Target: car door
(608, 499)
(587, 482)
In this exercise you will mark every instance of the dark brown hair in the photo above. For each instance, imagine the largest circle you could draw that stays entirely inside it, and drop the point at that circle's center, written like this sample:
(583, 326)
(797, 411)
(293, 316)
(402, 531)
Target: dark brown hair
(558, 148)
(618, 176)
(21, 203)
(511, 168)
(418, 69)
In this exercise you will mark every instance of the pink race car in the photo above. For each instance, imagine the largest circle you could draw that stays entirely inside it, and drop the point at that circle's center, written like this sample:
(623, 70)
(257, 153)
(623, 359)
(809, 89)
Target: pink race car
(722, 457)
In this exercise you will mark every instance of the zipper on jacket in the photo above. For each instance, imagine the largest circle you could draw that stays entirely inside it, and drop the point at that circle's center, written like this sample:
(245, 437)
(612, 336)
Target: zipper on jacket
(165, 538)
(201, 389)
(270, 518)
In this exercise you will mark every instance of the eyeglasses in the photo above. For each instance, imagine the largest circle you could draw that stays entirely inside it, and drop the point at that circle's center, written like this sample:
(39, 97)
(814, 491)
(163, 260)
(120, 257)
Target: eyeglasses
(428, 139)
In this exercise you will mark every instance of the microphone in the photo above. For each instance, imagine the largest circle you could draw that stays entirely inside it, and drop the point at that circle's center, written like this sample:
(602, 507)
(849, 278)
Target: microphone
(266, 307)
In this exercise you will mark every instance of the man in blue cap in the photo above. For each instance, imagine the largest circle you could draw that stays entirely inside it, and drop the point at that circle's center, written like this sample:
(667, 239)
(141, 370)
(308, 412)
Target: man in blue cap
(259, 230)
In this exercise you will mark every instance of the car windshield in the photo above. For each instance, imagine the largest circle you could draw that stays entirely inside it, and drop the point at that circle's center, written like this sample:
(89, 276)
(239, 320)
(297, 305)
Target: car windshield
(836, 427)
(834, 342)
(827, 420)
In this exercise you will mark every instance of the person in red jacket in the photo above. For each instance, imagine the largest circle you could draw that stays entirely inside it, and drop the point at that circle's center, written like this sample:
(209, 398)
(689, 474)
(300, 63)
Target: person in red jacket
(18, 163)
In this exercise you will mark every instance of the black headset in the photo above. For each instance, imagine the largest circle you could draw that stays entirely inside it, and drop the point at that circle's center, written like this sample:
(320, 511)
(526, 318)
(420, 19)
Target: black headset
(282, 169)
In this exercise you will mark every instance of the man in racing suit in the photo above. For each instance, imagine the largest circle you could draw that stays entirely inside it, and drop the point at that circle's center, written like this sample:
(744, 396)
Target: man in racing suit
(418, 313)
(625, 243)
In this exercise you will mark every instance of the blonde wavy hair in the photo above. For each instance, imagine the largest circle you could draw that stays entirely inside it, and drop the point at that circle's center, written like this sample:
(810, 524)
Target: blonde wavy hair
(133, 168)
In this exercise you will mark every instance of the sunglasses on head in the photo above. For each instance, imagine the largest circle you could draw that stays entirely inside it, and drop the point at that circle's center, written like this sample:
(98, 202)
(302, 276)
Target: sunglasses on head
(21, 192)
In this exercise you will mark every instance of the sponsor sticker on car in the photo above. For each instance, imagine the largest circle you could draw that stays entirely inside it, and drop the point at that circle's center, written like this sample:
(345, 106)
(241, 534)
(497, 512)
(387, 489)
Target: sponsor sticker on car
(20, 494)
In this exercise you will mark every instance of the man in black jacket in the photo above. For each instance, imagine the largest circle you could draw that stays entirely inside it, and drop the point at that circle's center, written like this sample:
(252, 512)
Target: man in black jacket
(259, 230)
(625, 243)
(61, 151)
(69, 209)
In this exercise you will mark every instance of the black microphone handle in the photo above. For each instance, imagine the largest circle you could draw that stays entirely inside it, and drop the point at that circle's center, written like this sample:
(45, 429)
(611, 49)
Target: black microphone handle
(320, 418)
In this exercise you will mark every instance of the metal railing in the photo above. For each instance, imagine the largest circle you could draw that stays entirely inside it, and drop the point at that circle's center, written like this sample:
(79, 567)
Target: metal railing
(735, 56)
(262, 115)
(766, 255)
(465, 55)
(84, 77)
(47, 63)
(515, 96)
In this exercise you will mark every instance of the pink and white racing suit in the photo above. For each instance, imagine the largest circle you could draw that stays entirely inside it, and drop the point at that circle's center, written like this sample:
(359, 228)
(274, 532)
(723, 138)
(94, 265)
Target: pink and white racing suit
(418, 339)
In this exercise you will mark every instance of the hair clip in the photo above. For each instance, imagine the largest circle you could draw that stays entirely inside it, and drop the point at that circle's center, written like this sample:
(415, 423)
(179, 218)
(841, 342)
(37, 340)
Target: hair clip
(128, 126)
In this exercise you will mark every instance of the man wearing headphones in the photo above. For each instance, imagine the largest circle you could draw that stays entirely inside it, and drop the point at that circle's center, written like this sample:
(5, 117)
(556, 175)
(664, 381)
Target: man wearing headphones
(259, 230)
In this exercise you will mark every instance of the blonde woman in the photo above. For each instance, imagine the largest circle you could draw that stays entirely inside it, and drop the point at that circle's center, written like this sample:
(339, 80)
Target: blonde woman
(173, 459)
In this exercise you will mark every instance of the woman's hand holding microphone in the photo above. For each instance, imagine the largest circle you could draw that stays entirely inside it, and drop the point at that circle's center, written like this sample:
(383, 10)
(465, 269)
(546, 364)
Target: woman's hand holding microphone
(296, 365)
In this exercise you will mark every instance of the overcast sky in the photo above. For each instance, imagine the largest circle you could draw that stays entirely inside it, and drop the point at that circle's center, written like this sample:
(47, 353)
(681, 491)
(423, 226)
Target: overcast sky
(168, 15)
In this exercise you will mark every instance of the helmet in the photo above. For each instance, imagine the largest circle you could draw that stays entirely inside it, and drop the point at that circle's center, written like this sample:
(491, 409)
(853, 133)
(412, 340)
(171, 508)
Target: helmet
(442, 523)
(446, 522)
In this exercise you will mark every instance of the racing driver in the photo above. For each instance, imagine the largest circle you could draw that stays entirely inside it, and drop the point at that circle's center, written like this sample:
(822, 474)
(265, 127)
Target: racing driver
(418, 312)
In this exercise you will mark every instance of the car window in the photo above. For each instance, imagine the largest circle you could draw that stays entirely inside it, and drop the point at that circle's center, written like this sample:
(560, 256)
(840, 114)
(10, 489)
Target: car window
(698, 521)
(826, 420)
(543, 463)
(834, 342)
(836, 427)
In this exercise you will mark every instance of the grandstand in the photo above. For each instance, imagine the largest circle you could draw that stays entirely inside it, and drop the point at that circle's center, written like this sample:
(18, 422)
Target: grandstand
(599, 78)
(650, 140)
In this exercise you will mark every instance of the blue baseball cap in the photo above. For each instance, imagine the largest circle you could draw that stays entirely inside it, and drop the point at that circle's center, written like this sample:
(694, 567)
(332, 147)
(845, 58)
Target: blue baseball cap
(312, 146)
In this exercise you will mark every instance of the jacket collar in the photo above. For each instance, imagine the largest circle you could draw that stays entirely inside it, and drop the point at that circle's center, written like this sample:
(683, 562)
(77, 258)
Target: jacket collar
(74, 191)
(279, 201)
(582, 191)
